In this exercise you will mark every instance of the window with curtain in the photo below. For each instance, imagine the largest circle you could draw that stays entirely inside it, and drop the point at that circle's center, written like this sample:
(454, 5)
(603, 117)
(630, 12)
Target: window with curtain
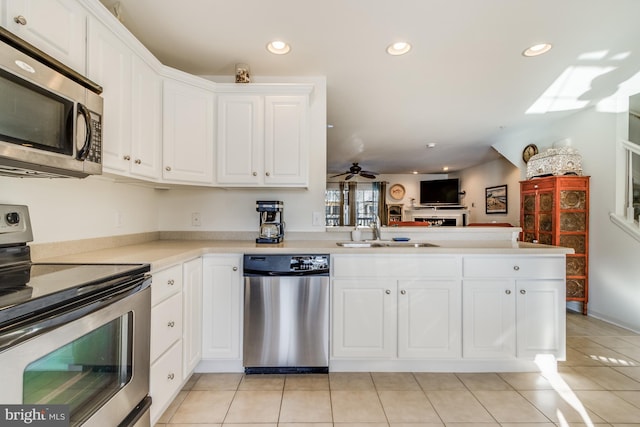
(350, 203)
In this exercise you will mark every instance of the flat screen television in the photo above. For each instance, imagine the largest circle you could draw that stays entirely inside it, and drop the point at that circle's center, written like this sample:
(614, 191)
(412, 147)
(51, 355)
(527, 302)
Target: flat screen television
(440, 192)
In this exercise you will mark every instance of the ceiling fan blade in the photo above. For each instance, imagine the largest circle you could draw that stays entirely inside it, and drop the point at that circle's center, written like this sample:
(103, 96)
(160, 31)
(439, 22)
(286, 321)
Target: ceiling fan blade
(351, 175)
(367, 175)
(340, 174)
(369, 172)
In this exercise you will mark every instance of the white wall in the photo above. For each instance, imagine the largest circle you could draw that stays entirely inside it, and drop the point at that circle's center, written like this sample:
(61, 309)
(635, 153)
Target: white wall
(614, 270)
(497, 172)
(71, 209)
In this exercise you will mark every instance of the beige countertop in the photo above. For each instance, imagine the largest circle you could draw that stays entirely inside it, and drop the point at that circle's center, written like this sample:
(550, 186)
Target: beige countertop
(164, 253)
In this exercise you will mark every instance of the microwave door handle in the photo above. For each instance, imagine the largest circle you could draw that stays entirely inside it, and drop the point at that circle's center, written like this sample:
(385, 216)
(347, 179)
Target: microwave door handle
(84, 151)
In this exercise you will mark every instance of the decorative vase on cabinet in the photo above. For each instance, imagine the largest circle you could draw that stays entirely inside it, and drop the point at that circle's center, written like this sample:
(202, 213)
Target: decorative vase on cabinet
(555, 211)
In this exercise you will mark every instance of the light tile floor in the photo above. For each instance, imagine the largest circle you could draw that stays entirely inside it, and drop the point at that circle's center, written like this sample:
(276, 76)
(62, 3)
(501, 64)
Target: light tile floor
(598, 385)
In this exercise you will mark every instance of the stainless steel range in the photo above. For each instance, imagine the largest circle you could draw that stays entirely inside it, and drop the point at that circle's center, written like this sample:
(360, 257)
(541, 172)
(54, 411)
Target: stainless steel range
(75, 335)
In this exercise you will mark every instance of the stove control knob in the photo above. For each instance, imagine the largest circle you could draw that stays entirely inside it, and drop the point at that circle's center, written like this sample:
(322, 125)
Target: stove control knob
(12, 218)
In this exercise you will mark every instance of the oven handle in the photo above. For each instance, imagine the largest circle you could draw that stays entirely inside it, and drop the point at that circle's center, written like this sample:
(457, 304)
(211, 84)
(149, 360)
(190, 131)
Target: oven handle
(49, 320)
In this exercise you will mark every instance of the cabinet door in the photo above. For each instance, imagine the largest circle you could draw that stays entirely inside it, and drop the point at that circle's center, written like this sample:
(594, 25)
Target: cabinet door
(221, 302)
(166, 325)
(145, 155)
(364, 318)
(541, 318)
(286, 157)
(191, 315)
(187, 133)
(109, 62)
(57, 27)
(240, 139)
(165, 378)
(429, 319)
(488, 319)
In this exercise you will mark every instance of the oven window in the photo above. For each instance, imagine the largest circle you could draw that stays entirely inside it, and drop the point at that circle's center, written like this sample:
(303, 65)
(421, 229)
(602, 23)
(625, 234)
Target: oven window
(84, 373)
(34, 117)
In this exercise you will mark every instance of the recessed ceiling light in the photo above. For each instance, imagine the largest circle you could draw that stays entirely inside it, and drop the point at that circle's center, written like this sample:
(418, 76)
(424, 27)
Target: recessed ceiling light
(537, 49)
(446, 168)
(398, 48)
(415, 172)
(278, 47)
(431, 145)
(329, 126)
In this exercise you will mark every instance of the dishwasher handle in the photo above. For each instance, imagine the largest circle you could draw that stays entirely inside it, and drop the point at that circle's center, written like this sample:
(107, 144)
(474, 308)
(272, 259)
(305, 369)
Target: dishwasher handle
(260, 273)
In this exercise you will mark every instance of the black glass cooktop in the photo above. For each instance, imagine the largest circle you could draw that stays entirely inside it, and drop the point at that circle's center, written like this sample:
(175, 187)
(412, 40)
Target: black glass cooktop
(33, 287)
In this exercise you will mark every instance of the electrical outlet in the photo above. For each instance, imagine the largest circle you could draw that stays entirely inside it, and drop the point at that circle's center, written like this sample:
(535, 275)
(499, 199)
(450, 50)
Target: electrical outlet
(195, 219)
(317, 219)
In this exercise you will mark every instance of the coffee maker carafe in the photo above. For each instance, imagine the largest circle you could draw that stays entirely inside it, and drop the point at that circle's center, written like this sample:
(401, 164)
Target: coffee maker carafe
(271, 223)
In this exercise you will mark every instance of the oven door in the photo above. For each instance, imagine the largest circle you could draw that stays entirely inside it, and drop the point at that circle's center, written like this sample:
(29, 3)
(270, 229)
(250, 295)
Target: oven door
(97, 364)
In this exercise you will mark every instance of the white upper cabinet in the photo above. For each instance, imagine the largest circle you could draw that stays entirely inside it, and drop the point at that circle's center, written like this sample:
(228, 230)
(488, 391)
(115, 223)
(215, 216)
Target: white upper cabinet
(263, 136)
(109, 65)
(132, 105)
(240, 139)
(187, 133)
(57, 27)
(286, 157)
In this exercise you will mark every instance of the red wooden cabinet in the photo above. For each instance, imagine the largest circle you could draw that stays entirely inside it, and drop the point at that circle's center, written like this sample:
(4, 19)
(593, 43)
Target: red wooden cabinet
(555, 211)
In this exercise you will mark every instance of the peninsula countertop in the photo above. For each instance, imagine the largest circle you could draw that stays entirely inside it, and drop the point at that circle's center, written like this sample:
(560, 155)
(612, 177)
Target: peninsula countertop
(164, 253)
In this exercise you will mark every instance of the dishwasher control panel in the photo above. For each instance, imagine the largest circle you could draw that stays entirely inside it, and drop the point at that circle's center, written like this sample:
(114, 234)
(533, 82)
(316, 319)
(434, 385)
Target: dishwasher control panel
(309, 262)
(274, 265)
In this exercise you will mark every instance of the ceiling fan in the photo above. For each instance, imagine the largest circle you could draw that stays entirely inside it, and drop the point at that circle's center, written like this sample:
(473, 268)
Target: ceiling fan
(355, 170)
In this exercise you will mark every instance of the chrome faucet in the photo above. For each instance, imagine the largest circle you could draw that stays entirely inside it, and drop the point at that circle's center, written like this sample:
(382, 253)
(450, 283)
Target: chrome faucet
(375, 226)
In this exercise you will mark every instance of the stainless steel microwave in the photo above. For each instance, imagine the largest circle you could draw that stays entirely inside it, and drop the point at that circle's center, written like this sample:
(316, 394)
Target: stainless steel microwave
(50, 115)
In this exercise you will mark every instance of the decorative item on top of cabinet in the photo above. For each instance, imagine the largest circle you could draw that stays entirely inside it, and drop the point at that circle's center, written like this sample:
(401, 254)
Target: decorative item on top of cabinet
(555, 211)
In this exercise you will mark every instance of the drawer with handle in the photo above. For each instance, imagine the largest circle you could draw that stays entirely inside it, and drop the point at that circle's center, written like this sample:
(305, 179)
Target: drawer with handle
(543, 267)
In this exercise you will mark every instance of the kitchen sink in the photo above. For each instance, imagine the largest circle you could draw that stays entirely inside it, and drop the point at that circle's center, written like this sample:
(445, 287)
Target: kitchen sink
(385, 244)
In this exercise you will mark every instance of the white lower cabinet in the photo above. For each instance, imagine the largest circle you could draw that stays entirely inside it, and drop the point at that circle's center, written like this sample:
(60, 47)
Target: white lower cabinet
(165, 379)
(191, 315)
(429, 321)
(513, 307)
(176, 296)
(446, 312)
(221, 313)
(364, 320)
(399, 317)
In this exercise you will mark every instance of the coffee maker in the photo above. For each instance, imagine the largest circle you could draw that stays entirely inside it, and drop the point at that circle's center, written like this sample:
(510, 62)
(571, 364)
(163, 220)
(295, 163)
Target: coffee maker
(271, 223)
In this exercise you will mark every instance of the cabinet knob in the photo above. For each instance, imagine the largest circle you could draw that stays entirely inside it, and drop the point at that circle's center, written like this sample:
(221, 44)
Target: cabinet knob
(387, 291)
(168, 168)
(534, 241)
(403, 292)
(137, 161)
(522, 291)
(170, 376)
(171, 324)
(20, 20)
(126, 157)
(516, 267)
(255, 174)
(268, 174)
(170, 282)
(535, 186)
(235, 268)
(508, 292)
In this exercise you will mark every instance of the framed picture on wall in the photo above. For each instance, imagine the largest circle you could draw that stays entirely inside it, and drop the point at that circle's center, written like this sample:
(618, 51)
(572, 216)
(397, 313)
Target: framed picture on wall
(496, 199)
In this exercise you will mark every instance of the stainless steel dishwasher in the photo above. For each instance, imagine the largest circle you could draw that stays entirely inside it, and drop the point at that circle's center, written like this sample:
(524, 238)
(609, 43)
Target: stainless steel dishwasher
(286, 314)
